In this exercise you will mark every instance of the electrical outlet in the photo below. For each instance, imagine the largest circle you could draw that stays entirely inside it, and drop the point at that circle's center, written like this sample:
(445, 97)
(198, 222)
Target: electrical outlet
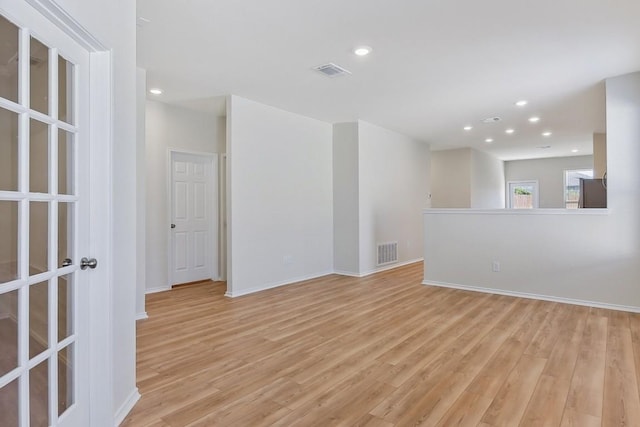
(495, 266)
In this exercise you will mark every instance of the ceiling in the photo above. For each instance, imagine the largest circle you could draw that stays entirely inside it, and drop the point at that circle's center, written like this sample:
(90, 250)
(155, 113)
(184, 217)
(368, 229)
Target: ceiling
(436, 65)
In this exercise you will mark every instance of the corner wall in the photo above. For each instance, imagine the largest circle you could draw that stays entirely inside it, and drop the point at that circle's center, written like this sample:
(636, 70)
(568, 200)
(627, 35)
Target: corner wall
(451, 178)
(467, 178)
(394, 186)
(346, 196)
(280, 199)
(487, 181)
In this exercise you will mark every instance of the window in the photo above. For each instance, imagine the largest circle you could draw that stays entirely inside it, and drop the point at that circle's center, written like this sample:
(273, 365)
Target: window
(572, 186)
(522, 194)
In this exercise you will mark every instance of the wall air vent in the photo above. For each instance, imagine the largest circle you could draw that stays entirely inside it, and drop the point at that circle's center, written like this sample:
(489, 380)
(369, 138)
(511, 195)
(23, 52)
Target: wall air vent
(387, 253)
(331, 70)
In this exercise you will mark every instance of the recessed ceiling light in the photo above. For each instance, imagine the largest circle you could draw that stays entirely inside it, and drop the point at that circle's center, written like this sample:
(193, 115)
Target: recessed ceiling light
(488, 140)
(575, 150)
(522, 103)
(546, 133)
(155, 91)
(362, 50)
(509, 131)
(467, 127)
(534, 119)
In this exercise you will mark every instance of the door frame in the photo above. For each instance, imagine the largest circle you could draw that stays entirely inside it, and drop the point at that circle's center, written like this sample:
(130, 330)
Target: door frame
(100, 130)
(214, 204)
(222, 219)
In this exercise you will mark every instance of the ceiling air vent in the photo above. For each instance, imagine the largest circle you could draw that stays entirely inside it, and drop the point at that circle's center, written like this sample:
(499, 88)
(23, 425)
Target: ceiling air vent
(491, 120)
(331, 70)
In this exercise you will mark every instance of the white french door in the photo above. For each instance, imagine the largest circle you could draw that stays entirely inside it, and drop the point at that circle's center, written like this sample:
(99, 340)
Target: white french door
(44, 222)
(193, 244)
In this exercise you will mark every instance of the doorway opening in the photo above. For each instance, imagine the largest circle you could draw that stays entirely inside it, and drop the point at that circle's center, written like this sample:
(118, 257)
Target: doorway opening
(194, 233)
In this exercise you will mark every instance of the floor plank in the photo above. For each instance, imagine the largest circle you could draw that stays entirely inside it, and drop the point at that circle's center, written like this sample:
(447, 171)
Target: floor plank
(621, 403)
(381, 351)
(586, 392)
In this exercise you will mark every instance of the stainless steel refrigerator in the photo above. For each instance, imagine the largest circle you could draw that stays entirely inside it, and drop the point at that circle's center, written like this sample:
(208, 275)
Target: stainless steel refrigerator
(593, 193)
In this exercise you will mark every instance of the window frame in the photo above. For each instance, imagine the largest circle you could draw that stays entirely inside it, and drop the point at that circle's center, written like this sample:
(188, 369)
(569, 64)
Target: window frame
(527, 182)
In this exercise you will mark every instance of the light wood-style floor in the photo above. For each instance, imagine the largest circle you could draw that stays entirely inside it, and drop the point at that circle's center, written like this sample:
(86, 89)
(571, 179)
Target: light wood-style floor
(382, 351)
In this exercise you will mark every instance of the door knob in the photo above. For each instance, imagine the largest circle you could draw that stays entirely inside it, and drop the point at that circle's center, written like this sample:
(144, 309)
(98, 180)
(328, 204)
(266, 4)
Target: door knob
(86, 262)
(173, 226)
(67, 262)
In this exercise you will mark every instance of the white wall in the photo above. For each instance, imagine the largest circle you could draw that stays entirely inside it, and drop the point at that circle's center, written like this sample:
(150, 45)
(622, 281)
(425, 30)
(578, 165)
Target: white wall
(393, 190)
(578, 256)
(168, 126)
(114, 24)
(466, 178)
(280, 203)
(487, 181)
(451, 178)
(549, 173)
(141, 169)
(346, 236)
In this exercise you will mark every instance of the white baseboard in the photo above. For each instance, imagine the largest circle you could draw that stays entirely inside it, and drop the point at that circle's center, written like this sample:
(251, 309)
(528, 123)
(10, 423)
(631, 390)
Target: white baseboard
(155, 290)
(142, 316)
(563, 300)
(126, 407)
(378, 270)
(315, 276)
(346, 273)
(275, 285)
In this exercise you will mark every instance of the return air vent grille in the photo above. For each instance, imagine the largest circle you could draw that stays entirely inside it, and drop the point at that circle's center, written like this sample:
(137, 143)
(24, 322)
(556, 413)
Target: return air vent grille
(331, 70)
(387, 253)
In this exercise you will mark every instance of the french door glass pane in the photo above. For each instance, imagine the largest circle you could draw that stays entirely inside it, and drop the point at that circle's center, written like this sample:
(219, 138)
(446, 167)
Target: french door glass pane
(9, 404)
(38, 157)
(38, 237)
(65, 306)
(65, 379)
(65, 235)
(8, 149)
(65, 162)
(39, 395)
(39, 76)
(38, 318)
(8, 60)
(8, 333)
(8, 241)
(65, 91)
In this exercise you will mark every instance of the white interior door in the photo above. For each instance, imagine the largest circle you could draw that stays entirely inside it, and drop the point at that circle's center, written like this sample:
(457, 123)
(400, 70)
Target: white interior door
(193, 246)
(44, 222)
